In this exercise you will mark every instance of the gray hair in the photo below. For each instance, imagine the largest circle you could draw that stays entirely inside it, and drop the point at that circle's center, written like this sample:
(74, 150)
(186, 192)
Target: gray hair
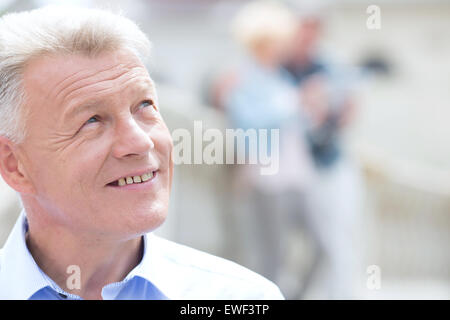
(55, 29)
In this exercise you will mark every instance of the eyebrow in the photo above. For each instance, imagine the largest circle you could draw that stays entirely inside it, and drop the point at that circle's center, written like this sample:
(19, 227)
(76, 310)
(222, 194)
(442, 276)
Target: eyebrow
(94, 104)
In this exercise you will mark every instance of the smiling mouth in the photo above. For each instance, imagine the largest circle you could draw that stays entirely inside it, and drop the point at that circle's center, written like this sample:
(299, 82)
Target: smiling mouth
(133, 179)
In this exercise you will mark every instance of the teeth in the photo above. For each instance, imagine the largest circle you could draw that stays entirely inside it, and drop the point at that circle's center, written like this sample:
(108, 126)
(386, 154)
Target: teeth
(136, 179)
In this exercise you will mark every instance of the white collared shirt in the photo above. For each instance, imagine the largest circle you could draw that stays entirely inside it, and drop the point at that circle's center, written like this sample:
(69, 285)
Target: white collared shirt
(167, 271)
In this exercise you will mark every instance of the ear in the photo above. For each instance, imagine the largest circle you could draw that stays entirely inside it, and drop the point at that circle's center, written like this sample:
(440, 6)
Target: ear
(11, 168)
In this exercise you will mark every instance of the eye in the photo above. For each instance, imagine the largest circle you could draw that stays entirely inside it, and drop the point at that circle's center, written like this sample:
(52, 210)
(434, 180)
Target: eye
(92, 120)
(86, 125)
(147, 103)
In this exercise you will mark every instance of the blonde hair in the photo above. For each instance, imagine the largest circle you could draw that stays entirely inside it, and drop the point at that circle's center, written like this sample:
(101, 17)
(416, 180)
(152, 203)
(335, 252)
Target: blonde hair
(55, 29)
(260, 21)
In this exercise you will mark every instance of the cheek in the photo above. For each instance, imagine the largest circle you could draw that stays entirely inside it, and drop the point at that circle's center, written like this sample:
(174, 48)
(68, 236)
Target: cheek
(163, 145)
(44, 170)
(81, 167)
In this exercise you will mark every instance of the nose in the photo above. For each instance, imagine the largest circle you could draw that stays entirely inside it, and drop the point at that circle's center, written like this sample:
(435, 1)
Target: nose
(131, 140)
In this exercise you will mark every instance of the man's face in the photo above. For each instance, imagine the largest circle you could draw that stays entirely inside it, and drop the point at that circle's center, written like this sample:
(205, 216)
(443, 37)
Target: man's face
(306, 39)
(93, 122)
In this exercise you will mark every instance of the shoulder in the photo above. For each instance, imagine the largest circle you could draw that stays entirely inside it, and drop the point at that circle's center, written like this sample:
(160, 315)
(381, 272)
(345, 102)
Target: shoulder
(211, 277)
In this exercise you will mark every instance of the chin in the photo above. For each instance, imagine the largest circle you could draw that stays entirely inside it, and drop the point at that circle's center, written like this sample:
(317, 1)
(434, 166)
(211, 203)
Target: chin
(144, 221)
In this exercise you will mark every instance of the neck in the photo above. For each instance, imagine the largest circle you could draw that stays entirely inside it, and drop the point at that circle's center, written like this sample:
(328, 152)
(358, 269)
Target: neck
(100, 261)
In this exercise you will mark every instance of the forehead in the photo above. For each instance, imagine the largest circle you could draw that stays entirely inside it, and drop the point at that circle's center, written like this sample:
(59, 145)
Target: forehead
(60, 79)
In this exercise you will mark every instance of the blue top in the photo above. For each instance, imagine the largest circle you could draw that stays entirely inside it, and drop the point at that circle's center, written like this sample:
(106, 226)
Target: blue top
(167, 271)
(262, 99)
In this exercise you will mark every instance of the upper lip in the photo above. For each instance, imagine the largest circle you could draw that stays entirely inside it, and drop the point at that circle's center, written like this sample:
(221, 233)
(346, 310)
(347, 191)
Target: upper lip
(134, 173)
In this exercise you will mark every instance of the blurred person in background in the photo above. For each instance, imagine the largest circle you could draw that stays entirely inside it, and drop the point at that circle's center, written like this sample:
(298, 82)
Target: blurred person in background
(260, 95)
(333, 199)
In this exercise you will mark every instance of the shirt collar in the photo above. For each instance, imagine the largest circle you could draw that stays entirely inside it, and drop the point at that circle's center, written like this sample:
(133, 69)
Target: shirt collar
(23, 277)
(20, 273)
(152, 267)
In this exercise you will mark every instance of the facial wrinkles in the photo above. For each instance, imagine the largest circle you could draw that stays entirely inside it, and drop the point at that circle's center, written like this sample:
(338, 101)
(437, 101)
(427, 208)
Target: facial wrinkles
(126, 89)
(85, 160)
(85, 73)
(103, 78)
(112, 86)
(60, 143)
